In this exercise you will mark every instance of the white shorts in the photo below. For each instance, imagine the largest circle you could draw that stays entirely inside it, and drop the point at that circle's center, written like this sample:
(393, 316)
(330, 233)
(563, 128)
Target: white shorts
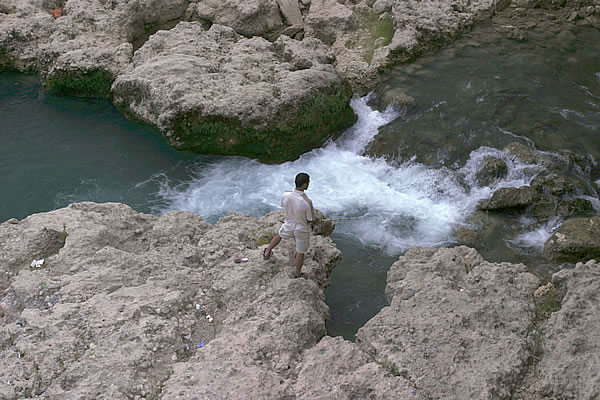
(302, 238)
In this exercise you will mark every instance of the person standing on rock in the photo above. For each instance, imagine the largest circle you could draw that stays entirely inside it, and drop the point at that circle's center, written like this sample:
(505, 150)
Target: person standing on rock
(299, 217)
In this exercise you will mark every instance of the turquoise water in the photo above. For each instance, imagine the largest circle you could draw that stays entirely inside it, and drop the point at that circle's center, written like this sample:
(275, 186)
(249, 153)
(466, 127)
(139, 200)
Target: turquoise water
(55, 151)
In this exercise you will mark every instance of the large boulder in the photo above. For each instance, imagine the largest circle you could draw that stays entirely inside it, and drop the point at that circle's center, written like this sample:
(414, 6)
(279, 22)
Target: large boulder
(456, 324)
(128, 305)
(94, 42)
(569, 346)
(248, 18)
(577, 239)
(220, 93)
(23, 28)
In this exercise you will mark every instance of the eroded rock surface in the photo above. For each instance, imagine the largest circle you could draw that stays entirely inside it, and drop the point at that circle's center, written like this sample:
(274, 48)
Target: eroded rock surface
(134, 304)
(217, 92)
(456, 324)
(128, 305)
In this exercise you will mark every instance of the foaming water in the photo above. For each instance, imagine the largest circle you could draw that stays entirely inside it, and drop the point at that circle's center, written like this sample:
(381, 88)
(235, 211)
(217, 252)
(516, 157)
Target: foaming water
(396, 206)
(532, 241)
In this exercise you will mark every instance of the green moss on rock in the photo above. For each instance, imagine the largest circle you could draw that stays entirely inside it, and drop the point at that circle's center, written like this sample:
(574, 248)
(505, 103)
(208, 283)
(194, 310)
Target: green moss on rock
(381, 29)
(95, 83)
(299, 130)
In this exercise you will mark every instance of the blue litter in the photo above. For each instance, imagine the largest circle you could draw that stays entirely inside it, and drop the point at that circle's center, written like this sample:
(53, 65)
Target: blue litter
(201, 343)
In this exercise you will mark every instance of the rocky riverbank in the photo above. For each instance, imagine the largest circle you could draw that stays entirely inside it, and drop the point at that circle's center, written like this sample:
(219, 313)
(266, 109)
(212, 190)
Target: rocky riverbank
(98, 301)
(237, 77)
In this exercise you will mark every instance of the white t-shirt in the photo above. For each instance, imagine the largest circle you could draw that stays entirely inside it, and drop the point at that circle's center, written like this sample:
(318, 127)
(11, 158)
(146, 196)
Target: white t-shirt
(297, 211)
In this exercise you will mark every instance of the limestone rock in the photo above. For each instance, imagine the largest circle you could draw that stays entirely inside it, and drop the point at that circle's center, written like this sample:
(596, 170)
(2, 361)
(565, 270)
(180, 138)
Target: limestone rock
(568, 368)
(456, 324)
(217, 92)
(122, 311)
(327, 19)
(577, 239)
(23, 28)
(338, 369)
(251, 18)
(510, 198)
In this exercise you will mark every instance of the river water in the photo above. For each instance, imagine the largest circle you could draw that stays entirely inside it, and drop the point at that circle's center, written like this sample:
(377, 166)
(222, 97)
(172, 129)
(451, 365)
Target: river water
(55, 151)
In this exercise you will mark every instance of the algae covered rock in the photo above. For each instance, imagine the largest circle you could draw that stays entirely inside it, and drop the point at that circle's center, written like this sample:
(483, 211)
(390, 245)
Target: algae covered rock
(217, 92)
(577, 239)
(511, 198)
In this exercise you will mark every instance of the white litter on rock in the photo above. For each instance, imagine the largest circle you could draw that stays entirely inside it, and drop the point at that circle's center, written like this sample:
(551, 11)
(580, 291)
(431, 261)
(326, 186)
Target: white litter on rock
(37, 263)
(209, 318)
(197, 306)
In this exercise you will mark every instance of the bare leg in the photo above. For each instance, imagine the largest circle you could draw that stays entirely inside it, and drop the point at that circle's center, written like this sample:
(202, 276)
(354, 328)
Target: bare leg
(274, 242)
(299, 262)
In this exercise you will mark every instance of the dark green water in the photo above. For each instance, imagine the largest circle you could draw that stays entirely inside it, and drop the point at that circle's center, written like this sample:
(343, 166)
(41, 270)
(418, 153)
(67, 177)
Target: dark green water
(479, 92)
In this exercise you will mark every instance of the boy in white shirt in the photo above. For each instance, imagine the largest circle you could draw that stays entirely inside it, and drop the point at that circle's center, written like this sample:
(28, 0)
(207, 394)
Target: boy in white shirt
(299, 216)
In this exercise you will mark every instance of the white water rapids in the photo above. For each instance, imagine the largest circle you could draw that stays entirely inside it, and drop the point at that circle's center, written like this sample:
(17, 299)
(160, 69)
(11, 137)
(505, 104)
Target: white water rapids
(400, 205)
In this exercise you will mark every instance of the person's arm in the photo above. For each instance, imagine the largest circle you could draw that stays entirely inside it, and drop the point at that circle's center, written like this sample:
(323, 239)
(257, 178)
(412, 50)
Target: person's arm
(313, 216)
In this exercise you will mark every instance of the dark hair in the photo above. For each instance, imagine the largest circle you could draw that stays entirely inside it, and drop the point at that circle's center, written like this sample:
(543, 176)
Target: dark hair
(301, 179)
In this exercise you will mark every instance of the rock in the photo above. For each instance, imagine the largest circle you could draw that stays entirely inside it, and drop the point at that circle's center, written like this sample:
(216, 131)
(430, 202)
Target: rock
(552, 206)
(510, 198)
(116, 305)
(327, 19)
(249, 18)
(577, 239)
(381, 6)
(217, 92)
(397, 98)
(451, 339)
(291, 11)
(492, 169)
(22, 30)
(554, 184)
(523, 153)
(569, 365)
(127, 313)
(338, 369)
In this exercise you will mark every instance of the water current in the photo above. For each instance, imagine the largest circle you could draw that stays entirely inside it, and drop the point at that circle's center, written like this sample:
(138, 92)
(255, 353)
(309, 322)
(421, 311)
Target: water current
(55, 151)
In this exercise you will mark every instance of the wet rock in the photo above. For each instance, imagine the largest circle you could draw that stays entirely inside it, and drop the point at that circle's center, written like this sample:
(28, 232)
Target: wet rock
(552, 206)
(217, 92)
(492, 169)
(554, 184)
(510, 198)
(577, 239)
(397, 98)
(523, 153)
